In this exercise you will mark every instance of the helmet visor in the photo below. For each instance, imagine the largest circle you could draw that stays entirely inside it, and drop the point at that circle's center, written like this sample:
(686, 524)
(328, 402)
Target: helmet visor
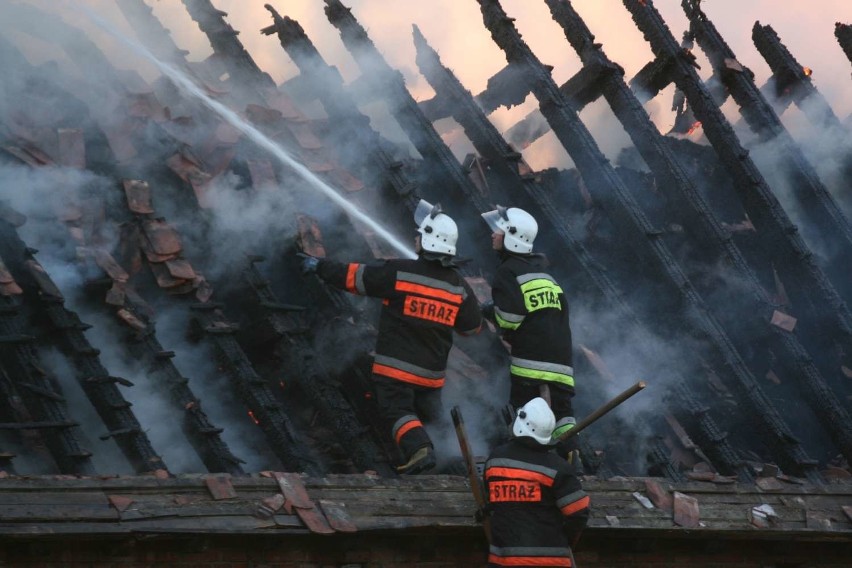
(425, 209)
(493, 218)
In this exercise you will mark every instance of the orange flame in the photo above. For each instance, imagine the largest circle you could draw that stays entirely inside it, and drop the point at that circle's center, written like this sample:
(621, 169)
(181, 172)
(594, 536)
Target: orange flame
(251, 415)
(695, 126)
(807, 71)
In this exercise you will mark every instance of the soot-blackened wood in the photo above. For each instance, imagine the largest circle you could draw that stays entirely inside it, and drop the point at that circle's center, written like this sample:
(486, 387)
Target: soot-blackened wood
(826, 229)
(152, 33)
(687, 204)
(792, 79)
(805, 282)
(67, 329)
(254, 391)
(843, 33)
(448, 179)
(327, 84)
(21, 368)
(243, 73)
(591, 279)
(305, 365)
(608, 189)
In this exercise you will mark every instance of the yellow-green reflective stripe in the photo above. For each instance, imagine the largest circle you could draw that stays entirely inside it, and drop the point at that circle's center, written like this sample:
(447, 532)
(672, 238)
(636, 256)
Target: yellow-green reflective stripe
(542, 375)
(505, 324)
(541, 293)
(561, 430)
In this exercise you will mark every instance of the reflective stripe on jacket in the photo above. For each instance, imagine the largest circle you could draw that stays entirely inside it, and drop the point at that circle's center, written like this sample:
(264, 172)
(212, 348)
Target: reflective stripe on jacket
(531, 309)
(537, 505)
(424, 302)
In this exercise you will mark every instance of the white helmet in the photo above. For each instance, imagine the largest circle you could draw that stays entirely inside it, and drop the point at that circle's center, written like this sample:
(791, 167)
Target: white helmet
(535, 420)
(438, 232)
(518, 227)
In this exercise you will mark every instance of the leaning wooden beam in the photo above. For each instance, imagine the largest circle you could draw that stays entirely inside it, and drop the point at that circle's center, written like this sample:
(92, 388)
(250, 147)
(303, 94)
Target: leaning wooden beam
(659, 262)
(825, 227)
(700, 221)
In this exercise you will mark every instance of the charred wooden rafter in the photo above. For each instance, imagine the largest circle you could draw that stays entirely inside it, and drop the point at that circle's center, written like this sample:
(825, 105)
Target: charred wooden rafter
(609, 190)
(449, 177)
(591, 279)
(243, 73)
(152, 33)
(791, 80)
(843, 33)
(327, 84)
(255, 391)
(304, 365)
(827, 228)
(37, 391)
(94, 379)
(809, 288)
(687, 203)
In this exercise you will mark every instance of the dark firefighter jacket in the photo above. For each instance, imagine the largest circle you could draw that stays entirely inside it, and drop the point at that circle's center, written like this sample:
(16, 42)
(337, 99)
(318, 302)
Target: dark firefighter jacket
(530, 308)
(424, 301)
(537, 505)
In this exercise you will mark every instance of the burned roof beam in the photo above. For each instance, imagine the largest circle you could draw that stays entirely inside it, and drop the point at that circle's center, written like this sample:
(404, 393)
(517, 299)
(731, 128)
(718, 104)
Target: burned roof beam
(449, 177)
(329, 89)
(793, 79)
(804, 280)
(591, 279)
(655, 76)
(504, 88)
(151, 32)
(843, 33)
(305, 365)
(243, 73)
(686, 203)
(255, 392)
(826, 227)
(43, 404)
(609, 190)
(108, 401)
(581, 89)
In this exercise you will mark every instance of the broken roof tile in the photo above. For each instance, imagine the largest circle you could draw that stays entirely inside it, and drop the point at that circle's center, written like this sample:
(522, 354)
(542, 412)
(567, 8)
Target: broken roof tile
(685, 510)
(138, 195)
(164, 239)
(309, 237)
(109, 265)
(220, 487)
(146, 105)
(116, 295)
(72, 147)
(304, 135)
(262, 174)
(131, 320)
(284, 105)
(180, 268)
(782, 320)
(164, 277)
(29, 155)
(343, 179)
(660, 497)
(43, 281)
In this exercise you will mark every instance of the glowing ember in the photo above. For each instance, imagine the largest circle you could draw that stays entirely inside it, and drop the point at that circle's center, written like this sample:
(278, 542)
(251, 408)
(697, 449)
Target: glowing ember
(695, 126)
(807, 71)
(251, 415)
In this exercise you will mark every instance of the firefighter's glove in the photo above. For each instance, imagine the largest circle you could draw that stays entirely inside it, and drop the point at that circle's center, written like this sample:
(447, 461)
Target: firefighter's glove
(309, 264)
(481, 514)
(487, 309)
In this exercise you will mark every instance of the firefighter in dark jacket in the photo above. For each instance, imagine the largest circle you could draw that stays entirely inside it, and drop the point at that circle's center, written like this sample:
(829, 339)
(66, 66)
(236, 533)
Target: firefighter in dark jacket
(531, 311)
(424, 301)
(536, 504)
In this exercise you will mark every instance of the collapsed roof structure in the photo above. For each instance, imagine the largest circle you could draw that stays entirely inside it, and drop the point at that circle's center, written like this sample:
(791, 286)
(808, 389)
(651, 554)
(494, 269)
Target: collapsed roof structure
(154, 320)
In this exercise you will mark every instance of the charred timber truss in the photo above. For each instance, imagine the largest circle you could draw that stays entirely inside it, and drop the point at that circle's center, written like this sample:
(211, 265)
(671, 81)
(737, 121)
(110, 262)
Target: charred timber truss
(608, 189)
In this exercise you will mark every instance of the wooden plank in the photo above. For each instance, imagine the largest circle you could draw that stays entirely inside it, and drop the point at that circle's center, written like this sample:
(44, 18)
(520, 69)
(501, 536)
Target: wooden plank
(48, 498)
(39, 513)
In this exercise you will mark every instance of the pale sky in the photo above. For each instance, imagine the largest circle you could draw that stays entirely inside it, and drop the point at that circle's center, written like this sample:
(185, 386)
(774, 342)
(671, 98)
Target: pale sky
(454, 28)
